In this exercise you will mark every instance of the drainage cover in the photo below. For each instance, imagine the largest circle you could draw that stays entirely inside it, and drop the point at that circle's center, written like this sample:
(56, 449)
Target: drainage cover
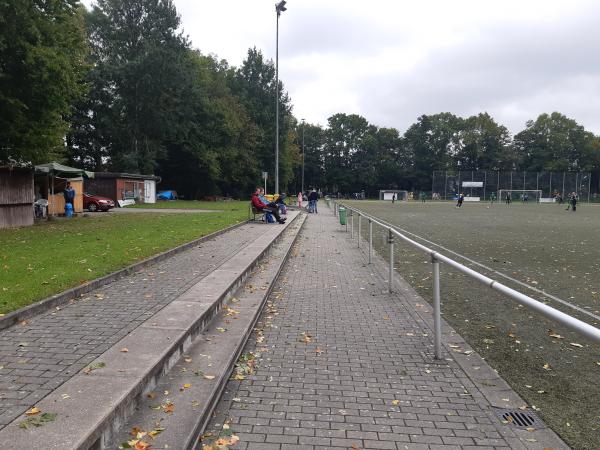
(519, 418)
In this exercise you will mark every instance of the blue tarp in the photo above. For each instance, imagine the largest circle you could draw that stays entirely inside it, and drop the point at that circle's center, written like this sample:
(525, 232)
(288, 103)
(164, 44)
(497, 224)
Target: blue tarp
(167, 195)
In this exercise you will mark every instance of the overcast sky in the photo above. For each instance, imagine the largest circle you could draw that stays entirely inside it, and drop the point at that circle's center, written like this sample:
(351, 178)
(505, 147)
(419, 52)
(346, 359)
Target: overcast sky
(392, 61)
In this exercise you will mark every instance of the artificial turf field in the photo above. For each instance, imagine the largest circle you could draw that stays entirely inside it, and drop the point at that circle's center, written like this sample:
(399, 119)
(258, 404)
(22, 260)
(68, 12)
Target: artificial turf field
(542, 245)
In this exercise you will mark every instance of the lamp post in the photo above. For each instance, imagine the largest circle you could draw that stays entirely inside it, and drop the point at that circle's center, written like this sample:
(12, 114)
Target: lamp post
(279, 8)
(303, 125)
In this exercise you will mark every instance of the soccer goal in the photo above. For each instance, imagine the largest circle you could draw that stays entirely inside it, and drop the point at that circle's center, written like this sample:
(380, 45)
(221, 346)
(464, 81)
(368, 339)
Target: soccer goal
(387, 194)
(522, 195)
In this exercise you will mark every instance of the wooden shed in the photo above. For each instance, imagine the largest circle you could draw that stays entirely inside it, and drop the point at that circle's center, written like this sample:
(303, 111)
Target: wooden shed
(123, 186)
(16, 196)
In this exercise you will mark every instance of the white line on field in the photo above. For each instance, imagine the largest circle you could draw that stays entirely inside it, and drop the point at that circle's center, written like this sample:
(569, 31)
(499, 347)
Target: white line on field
(520, 283)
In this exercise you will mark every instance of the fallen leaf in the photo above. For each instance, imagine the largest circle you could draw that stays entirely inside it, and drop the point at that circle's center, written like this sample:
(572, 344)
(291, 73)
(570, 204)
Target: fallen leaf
(547, 366)
(95, 366)
(209, 377)
(33, 411)
(221, 330)
(169, 408)
(124, 350)
(185, 386)
(355, 447)
(395, 402)
(575, 344)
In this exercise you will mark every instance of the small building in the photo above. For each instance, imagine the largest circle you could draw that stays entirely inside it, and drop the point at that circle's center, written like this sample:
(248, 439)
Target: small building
(16, 196)
(123, 186)
(51, 180)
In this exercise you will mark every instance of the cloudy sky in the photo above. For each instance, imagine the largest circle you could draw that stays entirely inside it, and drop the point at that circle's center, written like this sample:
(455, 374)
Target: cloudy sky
(391, 61)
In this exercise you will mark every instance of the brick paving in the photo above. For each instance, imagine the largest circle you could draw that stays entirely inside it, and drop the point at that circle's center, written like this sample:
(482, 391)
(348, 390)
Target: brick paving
(41, 354)
(364, 378)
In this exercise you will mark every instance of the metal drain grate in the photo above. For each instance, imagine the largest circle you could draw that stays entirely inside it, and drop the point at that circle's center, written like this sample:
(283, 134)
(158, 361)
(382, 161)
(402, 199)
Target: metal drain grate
(520, 419)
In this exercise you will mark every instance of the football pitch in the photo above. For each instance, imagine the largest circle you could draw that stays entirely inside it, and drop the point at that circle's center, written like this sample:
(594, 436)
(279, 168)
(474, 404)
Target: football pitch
(536, 249)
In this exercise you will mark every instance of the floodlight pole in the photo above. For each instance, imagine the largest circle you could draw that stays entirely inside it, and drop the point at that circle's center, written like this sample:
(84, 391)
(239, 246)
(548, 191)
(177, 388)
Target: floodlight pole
(303, 125)
(279, 8)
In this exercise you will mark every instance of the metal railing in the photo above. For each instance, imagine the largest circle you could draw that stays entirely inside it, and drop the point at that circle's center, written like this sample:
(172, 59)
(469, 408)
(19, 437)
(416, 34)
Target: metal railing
(576, 325)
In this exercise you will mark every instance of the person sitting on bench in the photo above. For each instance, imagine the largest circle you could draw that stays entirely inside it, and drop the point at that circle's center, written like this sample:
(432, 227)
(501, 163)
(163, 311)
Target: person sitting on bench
(260, 206)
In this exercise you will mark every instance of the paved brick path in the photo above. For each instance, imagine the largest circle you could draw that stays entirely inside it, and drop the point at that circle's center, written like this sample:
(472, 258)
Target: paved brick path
(366, 378)
(41, 354)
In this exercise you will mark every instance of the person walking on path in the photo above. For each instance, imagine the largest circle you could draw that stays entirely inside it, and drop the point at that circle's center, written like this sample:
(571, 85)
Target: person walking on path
(393, 198)
(260, 206)
(299, 200)
(313, 198)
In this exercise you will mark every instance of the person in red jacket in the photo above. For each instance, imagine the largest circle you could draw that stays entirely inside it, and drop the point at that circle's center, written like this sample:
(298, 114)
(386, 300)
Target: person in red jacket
(259, 205)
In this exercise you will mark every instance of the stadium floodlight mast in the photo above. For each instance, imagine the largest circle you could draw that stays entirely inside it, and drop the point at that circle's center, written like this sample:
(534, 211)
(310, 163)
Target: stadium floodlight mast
(279, 8)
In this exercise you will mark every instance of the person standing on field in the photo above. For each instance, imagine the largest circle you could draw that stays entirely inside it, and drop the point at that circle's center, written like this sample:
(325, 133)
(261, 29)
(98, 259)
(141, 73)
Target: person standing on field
(461, 199)
(393, 198)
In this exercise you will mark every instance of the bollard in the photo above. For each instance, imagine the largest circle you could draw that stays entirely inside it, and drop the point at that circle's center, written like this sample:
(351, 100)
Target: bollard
(370, 239)
(351, 224)
(391, 242)
(437, 309)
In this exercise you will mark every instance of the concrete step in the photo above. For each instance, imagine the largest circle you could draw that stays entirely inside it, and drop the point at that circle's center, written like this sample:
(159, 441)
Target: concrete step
(195, 383)
(92, 405)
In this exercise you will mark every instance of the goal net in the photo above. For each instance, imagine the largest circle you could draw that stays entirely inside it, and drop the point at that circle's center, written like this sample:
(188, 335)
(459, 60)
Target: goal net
(520, 195)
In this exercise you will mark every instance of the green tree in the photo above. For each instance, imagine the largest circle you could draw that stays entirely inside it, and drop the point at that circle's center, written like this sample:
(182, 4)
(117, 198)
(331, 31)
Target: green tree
(431, 144)
(140, 58)
(552, 142)
(42, 62)
(484, 145)
(254, 84)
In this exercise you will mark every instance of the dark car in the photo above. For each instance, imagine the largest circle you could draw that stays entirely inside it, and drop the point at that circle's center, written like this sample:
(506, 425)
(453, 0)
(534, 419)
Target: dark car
(97, 203)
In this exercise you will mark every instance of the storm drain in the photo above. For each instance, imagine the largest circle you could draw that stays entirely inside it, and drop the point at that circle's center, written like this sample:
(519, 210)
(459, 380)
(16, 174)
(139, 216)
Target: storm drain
(519, 418)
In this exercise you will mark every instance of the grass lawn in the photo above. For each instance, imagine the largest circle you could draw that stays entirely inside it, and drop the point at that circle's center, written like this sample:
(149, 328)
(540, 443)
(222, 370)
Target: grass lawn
(47, 258)
(541, 245)
(233, 205)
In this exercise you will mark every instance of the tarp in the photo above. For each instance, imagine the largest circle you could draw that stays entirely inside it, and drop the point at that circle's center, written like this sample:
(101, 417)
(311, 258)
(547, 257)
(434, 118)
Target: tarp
(55, 169)
(167, 195)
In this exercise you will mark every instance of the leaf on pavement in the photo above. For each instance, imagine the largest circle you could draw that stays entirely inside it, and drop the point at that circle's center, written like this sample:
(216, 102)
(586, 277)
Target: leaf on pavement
(33, 411)
(575, 344)
(547, 366)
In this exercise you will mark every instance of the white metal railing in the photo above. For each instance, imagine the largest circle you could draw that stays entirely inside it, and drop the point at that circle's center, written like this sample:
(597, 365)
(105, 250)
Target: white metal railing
(576, 325)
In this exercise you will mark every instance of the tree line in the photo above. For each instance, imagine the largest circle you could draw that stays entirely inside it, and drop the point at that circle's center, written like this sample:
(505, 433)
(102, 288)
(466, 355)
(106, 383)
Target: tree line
(120, 88)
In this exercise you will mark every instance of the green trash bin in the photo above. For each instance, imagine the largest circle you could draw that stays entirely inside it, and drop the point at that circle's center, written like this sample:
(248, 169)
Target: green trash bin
(342, 213)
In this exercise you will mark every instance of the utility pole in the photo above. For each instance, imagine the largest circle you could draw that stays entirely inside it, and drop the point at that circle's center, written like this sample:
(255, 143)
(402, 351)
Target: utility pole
(279, 8)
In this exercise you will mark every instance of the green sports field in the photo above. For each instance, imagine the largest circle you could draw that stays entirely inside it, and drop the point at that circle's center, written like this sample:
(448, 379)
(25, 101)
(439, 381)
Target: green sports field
(542, 246)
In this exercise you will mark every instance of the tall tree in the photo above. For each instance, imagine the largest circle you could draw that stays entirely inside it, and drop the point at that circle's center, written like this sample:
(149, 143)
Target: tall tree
(484, 145)
(254, 83)
(139, 57)
(42, 53)
(552, 142)
(431, 143)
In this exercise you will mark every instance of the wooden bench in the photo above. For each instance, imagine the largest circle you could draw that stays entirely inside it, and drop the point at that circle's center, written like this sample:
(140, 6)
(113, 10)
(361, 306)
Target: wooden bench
(257, 212)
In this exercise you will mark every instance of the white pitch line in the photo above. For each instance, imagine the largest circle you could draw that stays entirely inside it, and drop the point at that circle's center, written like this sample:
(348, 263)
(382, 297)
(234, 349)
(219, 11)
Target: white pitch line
(520, 283)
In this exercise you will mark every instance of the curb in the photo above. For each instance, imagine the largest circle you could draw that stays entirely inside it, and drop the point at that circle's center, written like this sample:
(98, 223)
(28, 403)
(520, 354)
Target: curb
(61, 298)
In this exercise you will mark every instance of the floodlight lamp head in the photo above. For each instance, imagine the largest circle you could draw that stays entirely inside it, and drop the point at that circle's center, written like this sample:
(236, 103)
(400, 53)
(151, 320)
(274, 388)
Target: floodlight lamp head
(280, 7)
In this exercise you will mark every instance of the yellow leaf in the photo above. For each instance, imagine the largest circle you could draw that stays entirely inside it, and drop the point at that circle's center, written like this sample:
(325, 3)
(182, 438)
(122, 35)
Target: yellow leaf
(395, 402)
(209, 377)
(221, 330)
(187, 360)
(33, 411)
(124, 350)
(547, 366)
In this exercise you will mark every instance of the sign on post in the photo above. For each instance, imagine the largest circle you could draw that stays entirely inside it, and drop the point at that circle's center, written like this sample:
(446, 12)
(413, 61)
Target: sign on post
(265, 175)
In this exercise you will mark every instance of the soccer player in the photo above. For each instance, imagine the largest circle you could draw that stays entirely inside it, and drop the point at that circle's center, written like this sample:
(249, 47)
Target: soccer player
(461, 199)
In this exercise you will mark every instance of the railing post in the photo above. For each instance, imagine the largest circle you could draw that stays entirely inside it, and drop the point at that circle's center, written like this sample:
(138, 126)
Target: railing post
(391, 242)
(352, 225)
(359, 228)
(437, 309)
(370, 239)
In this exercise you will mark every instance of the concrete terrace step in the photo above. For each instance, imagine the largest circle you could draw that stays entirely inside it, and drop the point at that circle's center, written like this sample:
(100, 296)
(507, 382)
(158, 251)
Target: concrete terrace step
(190, 386)
(96, 401)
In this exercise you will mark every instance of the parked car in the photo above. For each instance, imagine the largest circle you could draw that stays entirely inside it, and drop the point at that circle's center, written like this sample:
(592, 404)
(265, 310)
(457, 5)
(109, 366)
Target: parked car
(96, 202)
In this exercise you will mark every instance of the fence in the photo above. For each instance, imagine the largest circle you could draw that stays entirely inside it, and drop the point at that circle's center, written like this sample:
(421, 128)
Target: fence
(568, 321)
(482, 183)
